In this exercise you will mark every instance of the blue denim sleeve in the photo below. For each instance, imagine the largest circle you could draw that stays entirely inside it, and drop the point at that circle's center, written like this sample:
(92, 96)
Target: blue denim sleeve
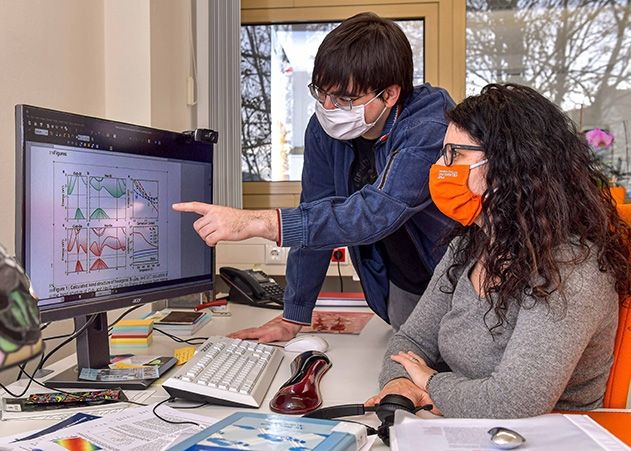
(306, 268)
(376, 210)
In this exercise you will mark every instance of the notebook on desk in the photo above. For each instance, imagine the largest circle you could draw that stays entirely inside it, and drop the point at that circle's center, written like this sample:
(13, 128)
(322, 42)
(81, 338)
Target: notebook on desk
(179, 318)
(179, 322)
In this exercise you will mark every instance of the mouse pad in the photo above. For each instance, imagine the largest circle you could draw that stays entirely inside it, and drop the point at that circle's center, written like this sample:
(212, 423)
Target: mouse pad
(336, 322)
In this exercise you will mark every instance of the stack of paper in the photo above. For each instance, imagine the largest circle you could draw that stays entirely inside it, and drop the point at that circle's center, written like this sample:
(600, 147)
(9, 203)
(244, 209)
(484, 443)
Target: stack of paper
(546, 432)
(132, 333)
(178, 322)
(135, 428)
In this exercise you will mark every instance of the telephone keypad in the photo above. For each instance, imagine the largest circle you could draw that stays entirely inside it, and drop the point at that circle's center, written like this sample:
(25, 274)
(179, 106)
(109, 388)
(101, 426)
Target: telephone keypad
(274, 291)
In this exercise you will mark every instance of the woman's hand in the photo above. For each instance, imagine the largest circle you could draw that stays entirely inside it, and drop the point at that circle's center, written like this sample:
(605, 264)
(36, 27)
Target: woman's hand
(407, 388)
(415, 366)
(400, 386)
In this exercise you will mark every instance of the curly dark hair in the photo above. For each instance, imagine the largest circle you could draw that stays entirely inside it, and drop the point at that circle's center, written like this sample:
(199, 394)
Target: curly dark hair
(544, 190)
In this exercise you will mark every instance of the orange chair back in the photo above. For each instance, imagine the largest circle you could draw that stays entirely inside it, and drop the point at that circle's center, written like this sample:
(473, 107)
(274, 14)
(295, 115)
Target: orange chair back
(620, 376)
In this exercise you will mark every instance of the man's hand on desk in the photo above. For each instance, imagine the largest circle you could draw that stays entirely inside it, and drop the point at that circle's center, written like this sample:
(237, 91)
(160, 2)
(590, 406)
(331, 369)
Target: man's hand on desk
(269, 332)
(218, 223)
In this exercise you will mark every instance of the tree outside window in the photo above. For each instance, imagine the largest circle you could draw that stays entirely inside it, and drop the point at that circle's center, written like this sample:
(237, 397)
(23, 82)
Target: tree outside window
(575, 52)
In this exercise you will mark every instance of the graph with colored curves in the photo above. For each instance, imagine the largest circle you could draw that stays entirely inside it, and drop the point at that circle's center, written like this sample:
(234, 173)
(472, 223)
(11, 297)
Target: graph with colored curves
(76, 248)
(108, 200)
(76, 197)
(107, 248)
(144, 247)
(145, 203)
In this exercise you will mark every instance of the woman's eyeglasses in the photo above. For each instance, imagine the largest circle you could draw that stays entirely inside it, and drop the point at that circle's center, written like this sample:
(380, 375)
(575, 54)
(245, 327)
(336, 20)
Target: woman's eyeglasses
(450, 151)
(341, 102)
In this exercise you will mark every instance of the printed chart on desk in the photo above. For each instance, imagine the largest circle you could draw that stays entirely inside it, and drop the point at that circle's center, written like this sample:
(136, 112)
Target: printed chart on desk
(110, 221)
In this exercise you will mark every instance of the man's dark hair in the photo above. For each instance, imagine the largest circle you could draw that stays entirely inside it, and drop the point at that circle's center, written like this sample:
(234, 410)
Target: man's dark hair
(367, 50)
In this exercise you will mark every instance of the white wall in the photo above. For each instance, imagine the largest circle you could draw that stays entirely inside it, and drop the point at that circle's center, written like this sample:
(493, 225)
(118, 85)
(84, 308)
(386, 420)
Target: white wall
(51, 55)
(171, 64)
(147, 62)
(127, 58)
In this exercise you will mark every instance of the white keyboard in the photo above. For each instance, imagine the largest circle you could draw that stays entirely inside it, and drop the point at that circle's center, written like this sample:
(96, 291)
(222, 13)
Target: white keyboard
(227, 371)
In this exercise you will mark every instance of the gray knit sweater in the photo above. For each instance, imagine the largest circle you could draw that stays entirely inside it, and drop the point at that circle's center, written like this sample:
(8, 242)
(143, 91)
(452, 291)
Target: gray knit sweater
(546, 357)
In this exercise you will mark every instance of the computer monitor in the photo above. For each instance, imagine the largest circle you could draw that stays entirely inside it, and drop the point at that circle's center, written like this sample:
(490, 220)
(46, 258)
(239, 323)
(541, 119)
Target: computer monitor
(94, 226)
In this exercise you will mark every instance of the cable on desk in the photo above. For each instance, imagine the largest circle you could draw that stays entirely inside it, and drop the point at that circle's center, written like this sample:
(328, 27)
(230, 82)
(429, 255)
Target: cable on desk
(70, 336)
(78, 332)
(182, 340)
(60, 336)
(22, 370)
(57, 337)
(45, 325)
(200, 339)
(370, 430)
(44, 358)
(28, 385)
(169, 421)
(186, 407)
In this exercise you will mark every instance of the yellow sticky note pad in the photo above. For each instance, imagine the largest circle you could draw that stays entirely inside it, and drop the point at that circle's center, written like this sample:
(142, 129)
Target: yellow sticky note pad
(184, 354)
(126, 365)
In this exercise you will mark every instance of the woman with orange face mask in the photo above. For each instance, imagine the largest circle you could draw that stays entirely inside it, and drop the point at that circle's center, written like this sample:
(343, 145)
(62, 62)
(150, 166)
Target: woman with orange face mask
(521, 313)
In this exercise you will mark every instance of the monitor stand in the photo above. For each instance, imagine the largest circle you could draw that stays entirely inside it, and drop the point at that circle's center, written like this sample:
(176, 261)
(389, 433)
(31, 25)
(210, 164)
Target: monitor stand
(93, 351)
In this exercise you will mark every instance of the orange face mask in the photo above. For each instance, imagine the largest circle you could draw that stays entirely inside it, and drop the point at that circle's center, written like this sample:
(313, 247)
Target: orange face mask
(451, 194)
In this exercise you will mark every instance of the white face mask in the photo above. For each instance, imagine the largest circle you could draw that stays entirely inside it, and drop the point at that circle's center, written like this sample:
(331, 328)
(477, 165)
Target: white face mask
(342, 124)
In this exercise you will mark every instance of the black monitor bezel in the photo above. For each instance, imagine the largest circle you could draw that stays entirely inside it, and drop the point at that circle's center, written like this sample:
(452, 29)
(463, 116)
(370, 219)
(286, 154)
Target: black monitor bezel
(65, 310)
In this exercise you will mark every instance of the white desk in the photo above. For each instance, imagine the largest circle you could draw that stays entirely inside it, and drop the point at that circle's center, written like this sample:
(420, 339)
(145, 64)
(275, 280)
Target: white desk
(352, 378)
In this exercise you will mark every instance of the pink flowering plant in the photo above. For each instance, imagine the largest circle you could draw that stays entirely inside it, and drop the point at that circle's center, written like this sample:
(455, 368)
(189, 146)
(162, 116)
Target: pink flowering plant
(601, 141)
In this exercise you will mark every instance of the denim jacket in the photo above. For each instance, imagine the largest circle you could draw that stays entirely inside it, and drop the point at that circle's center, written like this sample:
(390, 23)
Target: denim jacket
(329, 216)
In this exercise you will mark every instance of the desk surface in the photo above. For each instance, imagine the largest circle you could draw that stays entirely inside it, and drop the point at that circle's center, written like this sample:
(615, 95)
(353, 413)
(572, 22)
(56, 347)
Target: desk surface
(352, 378)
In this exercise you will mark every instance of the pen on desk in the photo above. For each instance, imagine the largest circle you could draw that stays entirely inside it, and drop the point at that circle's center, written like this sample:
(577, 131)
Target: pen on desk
(216, 303)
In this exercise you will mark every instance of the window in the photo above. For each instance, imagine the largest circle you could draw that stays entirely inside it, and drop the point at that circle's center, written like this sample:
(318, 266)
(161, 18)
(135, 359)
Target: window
(576, 53)
(276, 64)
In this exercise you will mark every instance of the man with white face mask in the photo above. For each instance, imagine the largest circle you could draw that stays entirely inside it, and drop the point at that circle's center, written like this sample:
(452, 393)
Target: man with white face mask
(368, 150)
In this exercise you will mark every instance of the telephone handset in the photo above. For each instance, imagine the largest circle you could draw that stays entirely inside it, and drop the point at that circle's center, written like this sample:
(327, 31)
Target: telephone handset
(252, 288)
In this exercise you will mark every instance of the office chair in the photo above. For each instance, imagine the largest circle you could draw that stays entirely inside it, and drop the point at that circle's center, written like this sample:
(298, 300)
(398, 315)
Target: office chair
(617, 390)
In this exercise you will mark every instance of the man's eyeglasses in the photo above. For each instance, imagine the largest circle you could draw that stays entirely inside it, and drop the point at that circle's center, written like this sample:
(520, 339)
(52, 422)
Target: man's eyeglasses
(341, 102)
(450, 151)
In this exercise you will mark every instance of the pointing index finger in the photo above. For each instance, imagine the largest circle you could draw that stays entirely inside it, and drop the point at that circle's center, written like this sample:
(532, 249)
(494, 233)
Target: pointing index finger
(192, 207)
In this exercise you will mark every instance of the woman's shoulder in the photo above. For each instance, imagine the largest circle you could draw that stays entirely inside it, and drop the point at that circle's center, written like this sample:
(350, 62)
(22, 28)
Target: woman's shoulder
(575, 256)
(583, 280)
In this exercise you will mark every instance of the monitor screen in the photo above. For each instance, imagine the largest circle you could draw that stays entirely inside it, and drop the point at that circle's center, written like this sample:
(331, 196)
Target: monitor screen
(94, 226)
(95, 229)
